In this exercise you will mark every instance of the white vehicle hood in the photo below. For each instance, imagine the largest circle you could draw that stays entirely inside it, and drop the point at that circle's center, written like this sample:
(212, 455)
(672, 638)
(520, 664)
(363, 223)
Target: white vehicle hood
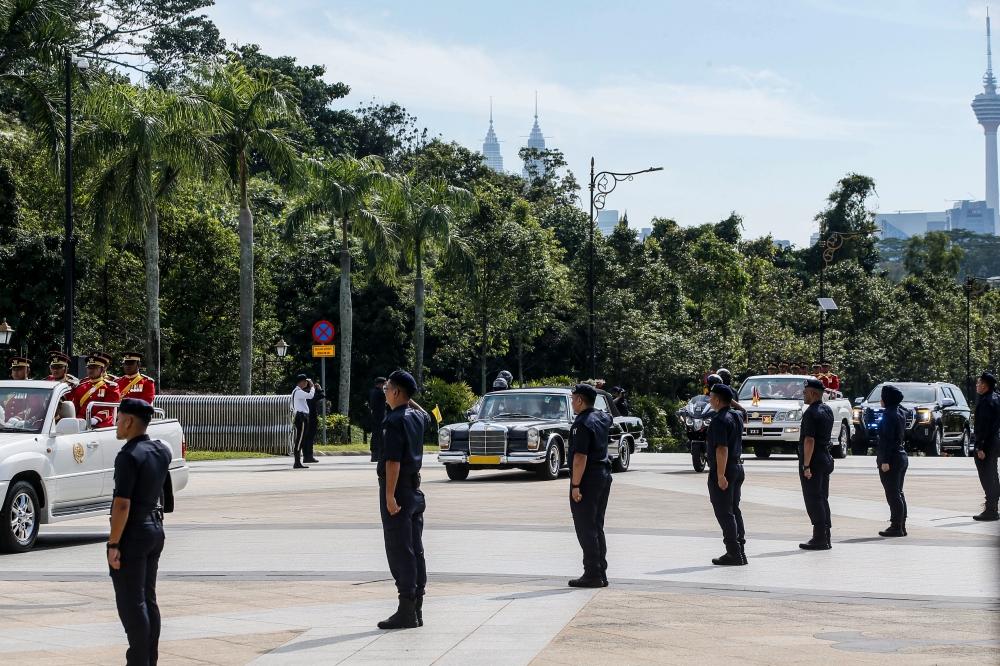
(9, 438)
(772, 405)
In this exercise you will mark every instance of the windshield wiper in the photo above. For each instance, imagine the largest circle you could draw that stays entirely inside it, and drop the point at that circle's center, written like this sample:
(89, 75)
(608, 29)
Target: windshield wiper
(529, 416)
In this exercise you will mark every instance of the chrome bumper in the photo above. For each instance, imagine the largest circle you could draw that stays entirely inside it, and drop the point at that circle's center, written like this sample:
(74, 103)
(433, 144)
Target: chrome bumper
(512, 458)
(641, 444)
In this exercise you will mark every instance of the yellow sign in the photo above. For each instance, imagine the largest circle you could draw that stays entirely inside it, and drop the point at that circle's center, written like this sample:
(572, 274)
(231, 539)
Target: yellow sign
(324, 350)
(484, 460)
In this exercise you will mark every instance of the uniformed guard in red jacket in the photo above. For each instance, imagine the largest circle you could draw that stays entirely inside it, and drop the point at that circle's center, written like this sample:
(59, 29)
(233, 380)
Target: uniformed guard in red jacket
(96, 388)
(135, 384)
(832, 380)
(18, 405)
(58, 369)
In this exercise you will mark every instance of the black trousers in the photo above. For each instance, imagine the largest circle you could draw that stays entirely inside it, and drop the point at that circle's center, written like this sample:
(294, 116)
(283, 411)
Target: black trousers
(375, 444)
(403, 534)
(727, 505)
(816, 491)
(300, 428)
(987, 469)
(588, 519)
(135, 590)
(310, 439)
(892, 482)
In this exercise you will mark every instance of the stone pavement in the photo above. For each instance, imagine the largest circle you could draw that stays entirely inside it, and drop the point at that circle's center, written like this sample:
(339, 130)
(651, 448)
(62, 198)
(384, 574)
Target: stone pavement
(266, 565)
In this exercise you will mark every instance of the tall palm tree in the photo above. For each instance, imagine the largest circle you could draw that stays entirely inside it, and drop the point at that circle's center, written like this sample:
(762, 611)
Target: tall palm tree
(138, 141)
(423, 214)
(348, 192)
(251, 105)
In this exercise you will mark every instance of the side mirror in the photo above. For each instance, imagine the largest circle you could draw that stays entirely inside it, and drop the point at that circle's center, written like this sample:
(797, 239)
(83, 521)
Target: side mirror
(859, 401)
(68, 427)
(948, 402)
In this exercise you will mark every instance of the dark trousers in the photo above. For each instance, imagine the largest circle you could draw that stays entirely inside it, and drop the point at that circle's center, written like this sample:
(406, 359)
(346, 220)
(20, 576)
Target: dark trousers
(376, 441)
(816, 491)
(892, 482)
(310, 439)
(403, 534)
(987, 469)
(300, 427)
(135, 591)
(588, 519)
(727, 505)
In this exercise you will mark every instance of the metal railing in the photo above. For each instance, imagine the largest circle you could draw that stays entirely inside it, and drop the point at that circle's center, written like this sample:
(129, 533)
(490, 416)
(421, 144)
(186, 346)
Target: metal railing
(260, 423)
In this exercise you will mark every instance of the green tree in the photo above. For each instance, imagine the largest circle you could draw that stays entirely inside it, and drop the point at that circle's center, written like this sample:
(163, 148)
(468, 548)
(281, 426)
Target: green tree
(933, 253)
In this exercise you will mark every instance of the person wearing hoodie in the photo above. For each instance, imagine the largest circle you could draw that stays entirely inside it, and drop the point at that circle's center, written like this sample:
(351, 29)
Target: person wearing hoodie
(892, 460)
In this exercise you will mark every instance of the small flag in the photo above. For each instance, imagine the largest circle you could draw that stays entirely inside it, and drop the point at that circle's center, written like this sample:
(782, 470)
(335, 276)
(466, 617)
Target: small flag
(756, 396)
(437, 413)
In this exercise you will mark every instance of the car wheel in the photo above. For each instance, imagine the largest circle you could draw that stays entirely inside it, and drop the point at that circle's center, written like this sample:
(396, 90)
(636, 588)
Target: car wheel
(549, 470)
(934, 447)
(762, 450)
(698, 460)
(19, 518)
(457, 472)
(966, 450)
(840, 450)
(620, 464)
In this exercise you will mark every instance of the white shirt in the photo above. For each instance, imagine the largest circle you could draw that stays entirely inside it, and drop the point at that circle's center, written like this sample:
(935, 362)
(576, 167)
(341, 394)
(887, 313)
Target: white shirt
(299, 398)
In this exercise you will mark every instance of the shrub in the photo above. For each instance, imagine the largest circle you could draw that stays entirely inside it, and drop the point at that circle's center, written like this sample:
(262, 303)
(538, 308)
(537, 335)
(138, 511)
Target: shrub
(560, 380)
(451, 399)
(657, 414)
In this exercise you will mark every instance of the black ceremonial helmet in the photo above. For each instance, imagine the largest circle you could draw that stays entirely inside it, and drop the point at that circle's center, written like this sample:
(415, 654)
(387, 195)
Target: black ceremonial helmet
(727, 377)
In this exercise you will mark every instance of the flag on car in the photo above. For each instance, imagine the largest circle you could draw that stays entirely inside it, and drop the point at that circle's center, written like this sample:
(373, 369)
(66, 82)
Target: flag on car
(437, 413)
(756, 395)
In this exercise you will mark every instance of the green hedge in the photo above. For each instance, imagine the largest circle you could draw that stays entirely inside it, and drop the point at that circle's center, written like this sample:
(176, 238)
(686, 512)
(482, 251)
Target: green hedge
(451, 399)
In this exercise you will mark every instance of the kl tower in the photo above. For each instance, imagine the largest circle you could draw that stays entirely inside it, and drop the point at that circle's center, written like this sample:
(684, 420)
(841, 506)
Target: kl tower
(987, 108)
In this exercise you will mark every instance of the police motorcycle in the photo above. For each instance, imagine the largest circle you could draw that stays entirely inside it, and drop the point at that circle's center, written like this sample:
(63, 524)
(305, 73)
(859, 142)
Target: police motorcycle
(696, 415)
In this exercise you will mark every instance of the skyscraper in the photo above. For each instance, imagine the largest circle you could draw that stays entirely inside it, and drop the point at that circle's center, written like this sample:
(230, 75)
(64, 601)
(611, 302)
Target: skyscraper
(535, 140)
(491, 146)
(987, 108)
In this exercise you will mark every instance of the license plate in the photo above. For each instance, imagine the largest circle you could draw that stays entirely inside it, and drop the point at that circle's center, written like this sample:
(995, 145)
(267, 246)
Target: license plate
(755, 432)
(767, 419)
(484, 460)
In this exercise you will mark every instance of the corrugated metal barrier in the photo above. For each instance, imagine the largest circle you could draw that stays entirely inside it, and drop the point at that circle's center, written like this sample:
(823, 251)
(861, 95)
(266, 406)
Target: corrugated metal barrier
(232, 422)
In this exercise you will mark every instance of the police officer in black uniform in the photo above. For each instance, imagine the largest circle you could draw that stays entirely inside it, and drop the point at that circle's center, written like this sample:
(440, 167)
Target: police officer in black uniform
(590, 484)
(723, 449)
(136, 539)
(376, 412)
(816, 463)
(892, 460)
(987, 430)
(621, 402)
(400, 499)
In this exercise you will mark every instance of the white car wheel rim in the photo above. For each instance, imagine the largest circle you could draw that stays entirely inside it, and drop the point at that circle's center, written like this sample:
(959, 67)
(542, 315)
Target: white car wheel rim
(22, 518)
(554, 460)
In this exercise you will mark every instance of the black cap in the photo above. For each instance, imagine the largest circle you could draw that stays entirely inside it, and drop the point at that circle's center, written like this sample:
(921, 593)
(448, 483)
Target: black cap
(586, 390)
(618, 389)
(380, 380)
(403, 379)
(300, 378)
(990, 379)
(723, 391)
(135, 406)
(891, 395)
(814, 383)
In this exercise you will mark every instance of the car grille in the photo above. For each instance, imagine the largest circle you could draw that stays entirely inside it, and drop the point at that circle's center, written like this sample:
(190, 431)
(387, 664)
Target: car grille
(488, 441)
(873, 416)
(757, 415)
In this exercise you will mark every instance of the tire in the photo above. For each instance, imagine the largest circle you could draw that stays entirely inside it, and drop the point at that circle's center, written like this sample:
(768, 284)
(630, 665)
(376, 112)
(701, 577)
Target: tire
(698, 460)
(935, 446)
(621, 463)
(762, 450)
(859, 448)
(966, 450)
(549, 470)
(840, 449)
(19, 519)
(457, 472)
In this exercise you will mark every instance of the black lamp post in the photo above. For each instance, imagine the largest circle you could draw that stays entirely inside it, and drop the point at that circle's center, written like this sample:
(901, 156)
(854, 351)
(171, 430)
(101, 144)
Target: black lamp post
(281, 348)
(973, 287)
(601, 185)
(69, 249)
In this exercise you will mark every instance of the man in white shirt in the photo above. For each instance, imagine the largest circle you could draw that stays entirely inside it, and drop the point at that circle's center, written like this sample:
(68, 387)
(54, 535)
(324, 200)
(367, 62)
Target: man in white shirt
(303, 392)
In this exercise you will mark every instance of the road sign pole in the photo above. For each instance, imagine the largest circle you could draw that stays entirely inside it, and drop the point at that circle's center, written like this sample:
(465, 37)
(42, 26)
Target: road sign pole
(322, 375)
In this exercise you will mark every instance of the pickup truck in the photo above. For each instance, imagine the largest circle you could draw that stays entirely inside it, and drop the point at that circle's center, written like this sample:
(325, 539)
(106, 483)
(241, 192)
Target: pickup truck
(56, 467)
(774, 420)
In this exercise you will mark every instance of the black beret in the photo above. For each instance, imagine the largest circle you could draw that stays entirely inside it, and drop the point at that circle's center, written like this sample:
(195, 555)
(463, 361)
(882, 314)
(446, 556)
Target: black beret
(300, 378)
(380, 380)
(891, 395)
(618, 389)
(814, 383)
(585, 389)
(723, 391)
(403, 379)
(989, 378)
(137, 407)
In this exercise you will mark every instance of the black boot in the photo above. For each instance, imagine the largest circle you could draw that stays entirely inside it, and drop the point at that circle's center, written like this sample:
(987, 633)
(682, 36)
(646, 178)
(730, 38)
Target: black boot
(819, 541)
(604, 580)
(989, 513)
(895, 530)
(743, 550)
(298, 464)
(418, 606)
(587, 581)
(730, 559)
(405, 616)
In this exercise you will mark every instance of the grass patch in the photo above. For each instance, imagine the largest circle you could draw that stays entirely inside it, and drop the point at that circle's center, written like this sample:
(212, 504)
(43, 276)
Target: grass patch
(358, 447)
(193, 456)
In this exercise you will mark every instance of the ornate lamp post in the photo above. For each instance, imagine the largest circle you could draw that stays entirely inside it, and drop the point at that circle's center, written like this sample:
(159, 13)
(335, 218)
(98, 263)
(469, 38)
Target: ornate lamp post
(830, 244)
(69, 251)
(973, 287)
(281, 348)
(601, 185)
(6, 333)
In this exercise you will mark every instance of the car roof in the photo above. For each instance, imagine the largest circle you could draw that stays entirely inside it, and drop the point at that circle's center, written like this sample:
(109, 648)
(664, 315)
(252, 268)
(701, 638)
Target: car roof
(534, 389)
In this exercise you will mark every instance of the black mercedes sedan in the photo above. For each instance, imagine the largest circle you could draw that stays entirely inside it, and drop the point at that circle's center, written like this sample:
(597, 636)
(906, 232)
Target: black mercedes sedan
(938, 420)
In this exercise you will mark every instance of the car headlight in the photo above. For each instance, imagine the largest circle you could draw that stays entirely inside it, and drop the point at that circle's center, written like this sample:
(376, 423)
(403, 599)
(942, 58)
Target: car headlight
(923, 416)
(856, 415)
(781, 416)
(707, 421)
(533, 439)
(795, 415)
(444, 439)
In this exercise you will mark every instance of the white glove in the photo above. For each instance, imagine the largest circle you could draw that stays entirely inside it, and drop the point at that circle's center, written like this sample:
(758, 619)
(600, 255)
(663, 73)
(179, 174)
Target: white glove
(94, 420)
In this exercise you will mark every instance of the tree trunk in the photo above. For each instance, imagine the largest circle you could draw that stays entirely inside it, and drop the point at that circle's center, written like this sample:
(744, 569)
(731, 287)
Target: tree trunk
(418, 329)
(152, 243)
(246, 299)
(346, 316)
(520, 363)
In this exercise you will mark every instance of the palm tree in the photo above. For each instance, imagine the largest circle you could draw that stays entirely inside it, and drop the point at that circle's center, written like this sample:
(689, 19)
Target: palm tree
(347, 193)
(138, 141)
(423, 214)
(251, 104)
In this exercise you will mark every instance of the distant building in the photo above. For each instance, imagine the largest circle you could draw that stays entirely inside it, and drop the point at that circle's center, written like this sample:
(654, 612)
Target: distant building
(814, 239)
(535, 140)
(973, 216)
(645, 233)
(785, 244)
(607, 220)
(491, 146)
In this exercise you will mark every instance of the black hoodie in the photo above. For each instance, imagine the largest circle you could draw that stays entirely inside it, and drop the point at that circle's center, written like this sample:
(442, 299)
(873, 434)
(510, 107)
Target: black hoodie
(892, 427)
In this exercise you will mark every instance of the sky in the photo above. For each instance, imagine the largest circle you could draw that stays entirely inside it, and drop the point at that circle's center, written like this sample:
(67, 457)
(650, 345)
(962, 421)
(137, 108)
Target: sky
(754, 107)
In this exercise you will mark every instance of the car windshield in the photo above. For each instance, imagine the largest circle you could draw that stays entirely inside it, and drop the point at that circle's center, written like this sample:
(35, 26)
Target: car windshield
(773, 388)
(910, 393)
(521, 405)
(23, 410)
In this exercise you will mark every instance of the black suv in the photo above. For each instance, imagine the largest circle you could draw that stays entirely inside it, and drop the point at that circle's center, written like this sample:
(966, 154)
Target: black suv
(938, 419)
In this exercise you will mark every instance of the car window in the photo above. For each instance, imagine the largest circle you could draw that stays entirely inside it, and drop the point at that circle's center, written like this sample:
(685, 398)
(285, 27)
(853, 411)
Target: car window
(910, 393)
(23, 409)
(959, 396)
(601, 404)
(771, 388)
(534, 405)
(947, 393)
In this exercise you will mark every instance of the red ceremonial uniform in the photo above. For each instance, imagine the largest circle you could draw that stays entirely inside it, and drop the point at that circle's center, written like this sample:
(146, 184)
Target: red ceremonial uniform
(100, 390)
(139, 386)
(30, 408)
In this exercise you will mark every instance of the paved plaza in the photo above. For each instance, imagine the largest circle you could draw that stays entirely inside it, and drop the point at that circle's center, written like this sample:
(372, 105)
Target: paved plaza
(266, 565)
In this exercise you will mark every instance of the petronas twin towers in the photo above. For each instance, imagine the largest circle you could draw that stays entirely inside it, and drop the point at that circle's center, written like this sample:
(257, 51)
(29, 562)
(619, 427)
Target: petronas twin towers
(491, 146)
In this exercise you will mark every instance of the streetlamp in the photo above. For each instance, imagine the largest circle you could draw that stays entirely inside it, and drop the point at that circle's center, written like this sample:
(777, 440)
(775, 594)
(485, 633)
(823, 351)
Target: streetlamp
(973, 287)
(830, 245)
(6, 333)
(601, 185)
(69, 251)
(281, 348)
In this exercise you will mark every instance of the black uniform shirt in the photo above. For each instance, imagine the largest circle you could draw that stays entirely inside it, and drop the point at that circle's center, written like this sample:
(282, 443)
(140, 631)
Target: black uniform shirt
(891, 434)
(726, 429)
(817, 422)
(140, 470)
(376, 405)
(314, 405)
(403, 439)
(622, 405)
(589, 436)
(987, 426)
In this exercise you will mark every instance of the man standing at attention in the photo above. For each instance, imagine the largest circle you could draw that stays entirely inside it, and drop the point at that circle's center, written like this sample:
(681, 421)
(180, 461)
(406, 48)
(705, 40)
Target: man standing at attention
(723, 449)
(301, 394)
(135, 384)
(401, 502)
(816, 463)
(987, 427)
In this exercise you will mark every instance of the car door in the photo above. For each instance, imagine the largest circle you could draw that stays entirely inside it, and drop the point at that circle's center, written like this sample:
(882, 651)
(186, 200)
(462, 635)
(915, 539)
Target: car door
(78, 463)
(110, 446)
(952, 415)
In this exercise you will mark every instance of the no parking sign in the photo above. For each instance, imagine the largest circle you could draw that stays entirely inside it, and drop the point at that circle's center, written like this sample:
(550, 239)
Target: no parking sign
(323, 332)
